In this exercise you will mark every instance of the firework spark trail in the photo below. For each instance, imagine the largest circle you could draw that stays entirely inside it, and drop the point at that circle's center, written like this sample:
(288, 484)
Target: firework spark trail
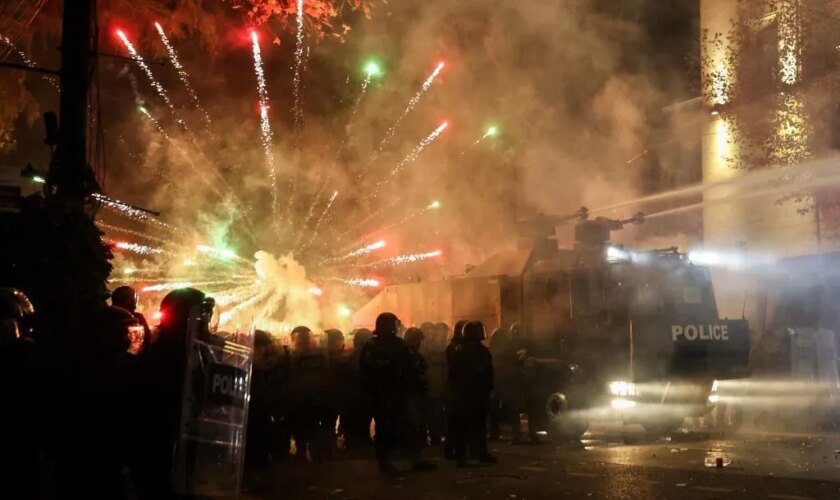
(409, 158)
(253, 300)
(182, 73)
(299, 49)
(139, 234)
(162, 287)
(235, 295)
(190, 161)
(365, 84)
(431, 206)
(28, 60)
(320, 221)
(173, 285)
(358, 282)
(410, 106)
(122, 208)
(357, 253)
(491, 131)
(136, 247)
(152, 80)
(224, 254)
(403, 259)
(265, 124)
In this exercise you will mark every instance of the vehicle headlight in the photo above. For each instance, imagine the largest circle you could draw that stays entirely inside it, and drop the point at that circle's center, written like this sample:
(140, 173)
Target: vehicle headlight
(622, 388)
(622, 404)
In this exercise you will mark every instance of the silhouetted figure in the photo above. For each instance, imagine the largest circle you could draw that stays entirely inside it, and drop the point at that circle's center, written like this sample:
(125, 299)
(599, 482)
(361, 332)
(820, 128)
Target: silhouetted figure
(504, 367)
(388, 380)
(126, 297)
(472, 383)
(434, 351)
(308, 395)
(260, 418)
(163, 368)
(454, 342)
(420, 386)
(357, 415)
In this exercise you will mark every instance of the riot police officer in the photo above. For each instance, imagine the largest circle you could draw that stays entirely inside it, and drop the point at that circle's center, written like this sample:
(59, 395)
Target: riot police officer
(356, 418)
(454, 342)
(420, 382)
(472, 383)
(387, 376)
(308, 396)
(259, 436)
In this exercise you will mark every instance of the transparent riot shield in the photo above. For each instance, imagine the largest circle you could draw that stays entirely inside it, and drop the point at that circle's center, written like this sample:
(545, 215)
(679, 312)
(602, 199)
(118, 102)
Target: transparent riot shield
(209, 455)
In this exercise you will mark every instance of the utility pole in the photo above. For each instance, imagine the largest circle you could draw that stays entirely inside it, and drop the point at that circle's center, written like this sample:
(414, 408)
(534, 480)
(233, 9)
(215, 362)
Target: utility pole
(70, 176)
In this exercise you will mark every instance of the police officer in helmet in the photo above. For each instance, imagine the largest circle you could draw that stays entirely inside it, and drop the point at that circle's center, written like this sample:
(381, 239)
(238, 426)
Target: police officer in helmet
(387, 378)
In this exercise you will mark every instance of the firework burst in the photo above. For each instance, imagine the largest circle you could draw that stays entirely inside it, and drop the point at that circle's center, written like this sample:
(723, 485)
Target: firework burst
(182, 73)
(152, 80)
(265, 124)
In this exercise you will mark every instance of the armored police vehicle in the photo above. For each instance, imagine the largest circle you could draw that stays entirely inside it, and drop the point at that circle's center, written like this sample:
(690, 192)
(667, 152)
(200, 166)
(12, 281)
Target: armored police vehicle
(616, 334)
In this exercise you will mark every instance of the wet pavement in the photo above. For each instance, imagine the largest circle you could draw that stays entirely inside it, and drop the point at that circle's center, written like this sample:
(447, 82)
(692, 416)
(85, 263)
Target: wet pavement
(611, 462)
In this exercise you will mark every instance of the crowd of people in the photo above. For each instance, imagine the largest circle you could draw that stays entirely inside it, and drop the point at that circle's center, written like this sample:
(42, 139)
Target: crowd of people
(413, 390)
(112, 409)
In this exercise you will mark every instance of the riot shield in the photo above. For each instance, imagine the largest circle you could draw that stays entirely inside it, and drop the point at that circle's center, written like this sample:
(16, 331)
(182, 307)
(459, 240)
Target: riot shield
(209, 455)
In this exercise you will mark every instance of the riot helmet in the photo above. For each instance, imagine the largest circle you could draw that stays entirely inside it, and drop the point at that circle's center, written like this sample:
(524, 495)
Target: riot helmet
(361, 337)
(301, 338)
(458, 331)
(387, 324)
(125, 297)
(175, 308)
(414, 337)
(474, 331)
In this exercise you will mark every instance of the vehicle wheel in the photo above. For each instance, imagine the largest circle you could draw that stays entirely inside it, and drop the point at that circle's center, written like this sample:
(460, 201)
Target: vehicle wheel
(664, 426)
(563, 424)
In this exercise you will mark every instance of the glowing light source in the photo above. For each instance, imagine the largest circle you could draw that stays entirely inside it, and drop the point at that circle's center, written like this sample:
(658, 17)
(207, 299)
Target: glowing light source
(622, 404)
(314, 290)
(434, 204)
(38, 179)
(622, 388)
(372, 69)
(491, 131)
(158, 315)
(344, 311)
(128, 271)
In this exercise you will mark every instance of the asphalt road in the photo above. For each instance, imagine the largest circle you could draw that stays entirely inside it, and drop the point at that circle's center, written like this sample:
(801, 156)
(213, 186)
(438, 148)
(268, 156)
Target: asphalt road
(611, 462)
